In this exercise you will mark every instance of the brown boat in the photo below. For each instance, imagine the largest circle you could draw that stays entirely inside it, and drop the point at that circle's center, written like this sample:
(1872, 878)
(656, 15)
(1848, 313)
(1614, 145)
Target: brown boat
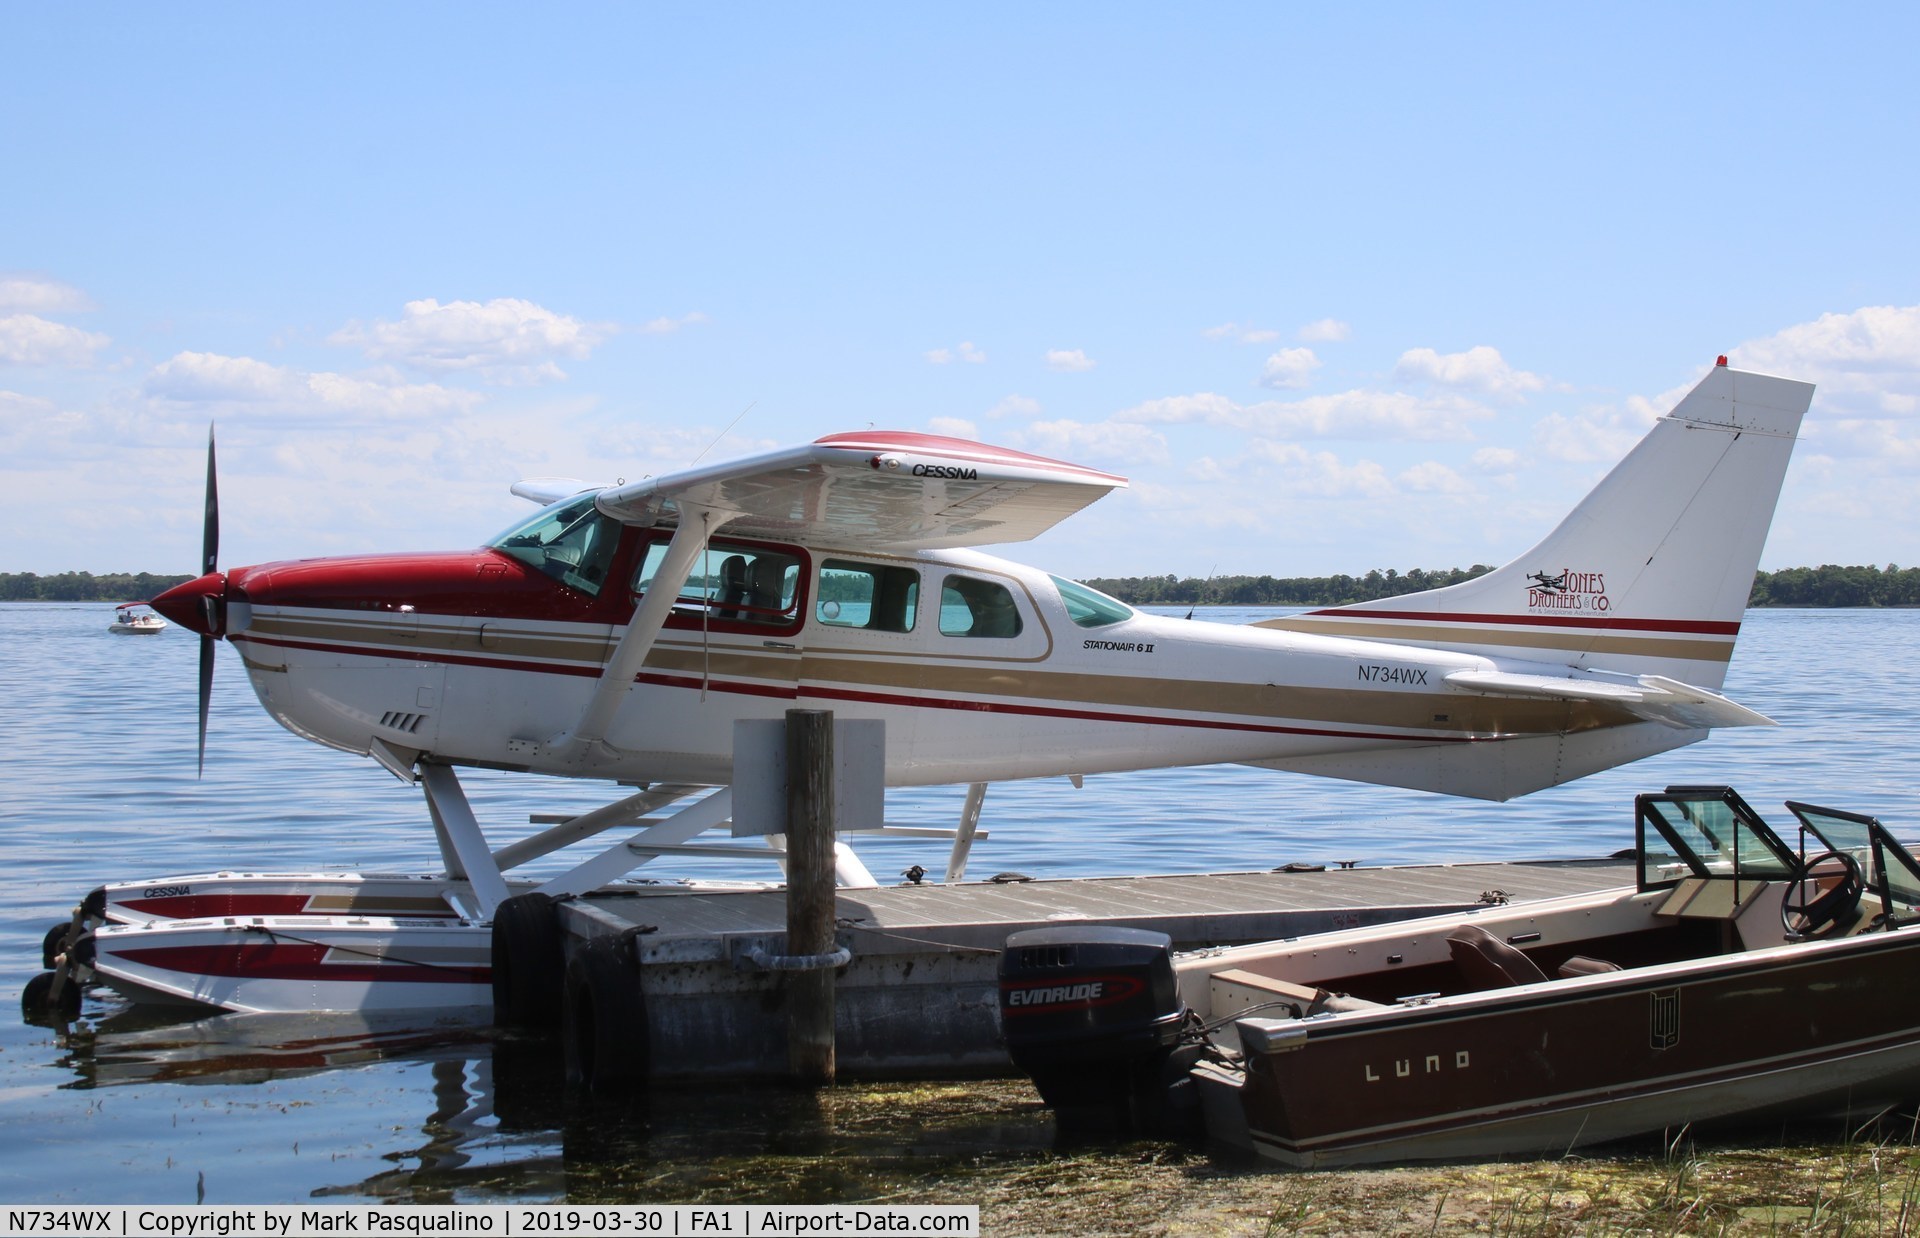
(1739, 978)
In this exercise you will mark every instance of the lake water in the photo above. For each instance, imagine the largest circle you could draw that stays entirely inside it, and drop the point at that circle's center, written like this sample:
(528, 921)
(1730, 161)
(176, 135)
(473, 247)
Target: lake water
(98, 783)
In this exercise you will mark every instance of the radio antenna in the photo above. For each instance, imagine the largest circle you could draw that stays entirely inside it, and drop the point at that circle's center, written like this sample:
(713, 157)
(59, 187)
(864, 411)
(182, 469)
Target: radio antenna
(716, 438)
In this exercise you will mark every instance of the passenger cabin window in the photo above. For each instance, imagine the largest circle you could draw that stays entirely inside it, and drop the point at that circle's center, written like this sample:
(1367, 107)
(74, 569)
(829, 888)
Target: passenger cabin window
(731, 583)
(569, 541)
(973, 607)
(874, 596)
(1090, 608)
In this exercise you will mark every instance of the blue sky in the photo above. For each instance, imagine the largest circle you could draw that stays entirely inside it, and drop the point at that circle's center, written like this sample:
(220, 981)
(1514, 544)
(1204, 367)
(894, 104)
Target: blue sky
(1337, 288)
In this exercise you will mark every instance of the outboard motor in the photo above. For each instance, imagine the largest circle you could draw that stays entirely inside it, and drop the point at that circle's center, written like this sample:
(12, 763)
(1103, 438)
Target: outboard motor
(1092, 1014)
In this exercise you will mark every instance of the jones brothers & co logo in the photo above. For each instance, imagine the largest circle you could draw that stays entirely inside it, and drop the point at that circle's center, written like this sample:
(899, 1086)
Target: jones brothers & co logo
(1570, 590)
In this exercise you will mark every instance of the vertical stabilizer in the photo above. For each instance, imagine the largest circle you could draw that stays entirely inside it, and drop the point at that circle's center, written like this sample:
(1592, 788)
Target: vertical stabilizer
(1649, 575)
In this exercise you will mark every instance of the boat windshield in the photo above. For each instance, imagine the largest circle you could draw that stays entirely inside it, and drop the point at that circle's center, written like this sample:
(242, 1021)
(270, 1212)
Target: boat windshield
(1890, 870)
(1706, 832)
(569, 541)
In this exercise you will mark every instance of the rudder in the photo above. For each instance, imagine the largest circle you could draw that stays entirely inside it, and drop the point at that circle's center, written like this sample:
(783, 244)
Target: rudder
(1649, 574)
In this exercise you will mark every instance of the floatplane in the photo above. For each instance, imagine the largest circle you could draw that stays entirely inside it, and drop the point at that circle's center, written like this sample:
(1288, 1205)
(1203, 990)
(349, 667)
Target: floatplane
(621, 632)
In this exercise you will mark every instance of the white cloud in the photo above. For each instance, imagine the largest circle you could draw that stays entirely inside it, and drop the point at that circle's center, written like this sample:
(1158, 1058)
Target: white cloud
(1349, 414)
(1866, 363)
(28, 339)
(1101, 440)
(1432, 477)
(953, 427)
(1325, 331)
(199, 377)
(965, 352)
(1496, 460)
(212, 379)
(665, 326)
(1320, 474)
(1478, 369)
(36, 294)
(1592, 436)
(1289, 368)
(1240, 334)
(1015, 406)
(505, 340)
(1068, 360)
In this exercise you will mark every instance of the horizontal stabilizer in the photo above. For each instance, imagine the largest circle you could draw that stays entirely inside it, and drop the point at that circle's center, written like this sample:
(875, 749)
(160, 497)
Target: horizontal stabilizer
(1653, 697)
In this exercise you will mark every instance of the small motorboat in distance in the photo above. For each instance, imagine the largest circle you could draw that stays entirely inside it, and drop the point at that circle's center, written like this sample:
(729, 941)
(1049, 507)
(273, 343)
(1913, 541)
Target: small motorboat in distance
(1738, 979)
(135, 619)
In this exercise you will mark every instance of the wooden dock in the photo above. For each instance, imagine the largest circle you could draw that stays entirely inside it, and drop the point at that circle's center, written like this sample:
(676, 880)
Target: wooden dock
(920, 996)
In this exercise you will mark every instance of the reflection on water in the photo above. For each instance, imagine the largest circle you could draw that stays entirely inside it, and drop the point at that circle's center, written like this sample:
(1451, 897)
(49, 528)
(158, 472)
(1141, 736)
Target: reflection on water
(126, 1106)
(500, 1122)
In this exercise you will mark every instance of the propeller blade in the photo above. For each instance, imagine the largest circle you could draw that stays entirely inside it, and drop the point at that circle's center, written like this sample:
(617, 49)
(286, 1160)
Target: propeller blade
(206, 697)
(209, 556)
(210, 536)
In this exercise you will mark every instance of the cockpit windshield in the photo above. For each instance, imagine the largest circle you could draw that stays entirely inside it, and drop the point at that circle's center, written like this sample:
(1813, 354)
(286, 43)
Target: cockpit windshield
(1090, 608)
(569, 541)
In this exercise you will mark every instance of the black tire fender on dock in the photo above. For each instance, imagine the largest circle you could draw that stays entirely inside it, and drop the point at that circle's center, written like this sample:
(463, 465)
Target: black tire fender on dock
(528, 959)
(605, 1025)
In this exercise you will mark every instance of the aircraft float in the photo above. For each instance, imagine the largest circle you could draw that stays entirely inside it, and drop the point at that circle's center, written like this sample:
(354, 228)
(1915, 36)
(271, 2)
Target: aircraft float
(620, 632)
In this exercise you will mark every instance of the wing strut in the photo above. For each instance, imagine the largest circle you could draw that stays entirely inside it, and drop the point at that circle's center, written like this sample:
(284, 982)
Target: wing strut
(588, 738)
(963, 837)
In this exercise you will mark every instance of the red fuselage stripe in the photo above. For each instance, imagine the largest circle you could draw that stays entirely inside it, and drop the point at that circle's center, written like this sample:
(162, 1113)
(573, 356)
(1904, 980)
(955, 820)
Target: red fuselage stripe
(256, 960)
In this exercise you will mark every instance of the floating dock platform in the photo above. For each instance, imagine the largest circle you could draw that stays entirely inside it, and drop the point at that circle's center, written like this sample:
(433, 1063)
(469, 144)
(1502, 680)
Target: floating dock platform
(920, 996)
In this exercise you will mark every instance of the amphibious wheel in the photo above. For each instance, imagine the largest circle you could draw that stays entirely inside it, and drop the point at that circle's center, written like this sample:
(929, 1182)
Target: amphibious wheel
(54, 943)
(605, 1029)
(527, 962)
(38, 1004)
(1823, 895)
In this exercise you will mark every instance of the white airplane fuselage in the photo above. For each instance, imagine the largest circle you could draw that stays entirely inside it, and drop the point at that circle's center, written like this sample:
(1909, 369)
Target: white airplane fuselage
(620, 634)
(1142, 691)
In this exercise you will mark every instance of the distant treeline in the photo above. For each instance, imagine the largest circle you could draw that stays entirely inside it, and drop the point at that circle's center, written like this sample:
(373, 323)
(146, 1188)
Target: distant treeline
(1827, 585)
(1279, 590)
(84, 586)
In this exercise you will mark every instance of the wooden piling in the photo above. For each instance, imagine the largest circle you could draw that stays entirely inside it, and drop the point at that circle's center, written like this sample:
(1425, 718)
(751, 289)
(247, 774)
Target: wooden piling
(810, 890)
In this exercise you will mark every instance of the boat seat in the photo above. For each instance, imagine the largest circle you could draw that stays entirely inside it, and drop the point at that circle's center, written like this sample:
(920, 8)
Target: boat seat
(1489, 963)
(1581, 965)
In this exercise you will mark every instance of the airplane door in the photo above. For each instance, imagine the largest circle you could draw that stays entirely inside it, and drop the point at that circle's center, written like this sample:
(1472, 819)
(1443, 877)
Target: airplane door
(730, 649)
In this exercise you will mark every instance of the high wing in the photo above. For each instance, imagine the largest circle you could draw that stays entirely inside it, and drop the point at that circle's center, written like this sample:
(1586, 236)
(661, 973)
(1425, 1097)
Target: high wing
(545, 490)
(877, 489)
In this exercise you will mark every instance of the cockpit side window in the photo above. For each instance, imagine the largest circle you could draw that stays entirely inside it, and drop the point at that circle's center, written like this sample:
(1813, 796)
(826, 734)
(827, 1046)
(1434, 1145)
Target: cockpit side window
(731, 582)
(569, 541)
(970, 606)
(878, 597)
